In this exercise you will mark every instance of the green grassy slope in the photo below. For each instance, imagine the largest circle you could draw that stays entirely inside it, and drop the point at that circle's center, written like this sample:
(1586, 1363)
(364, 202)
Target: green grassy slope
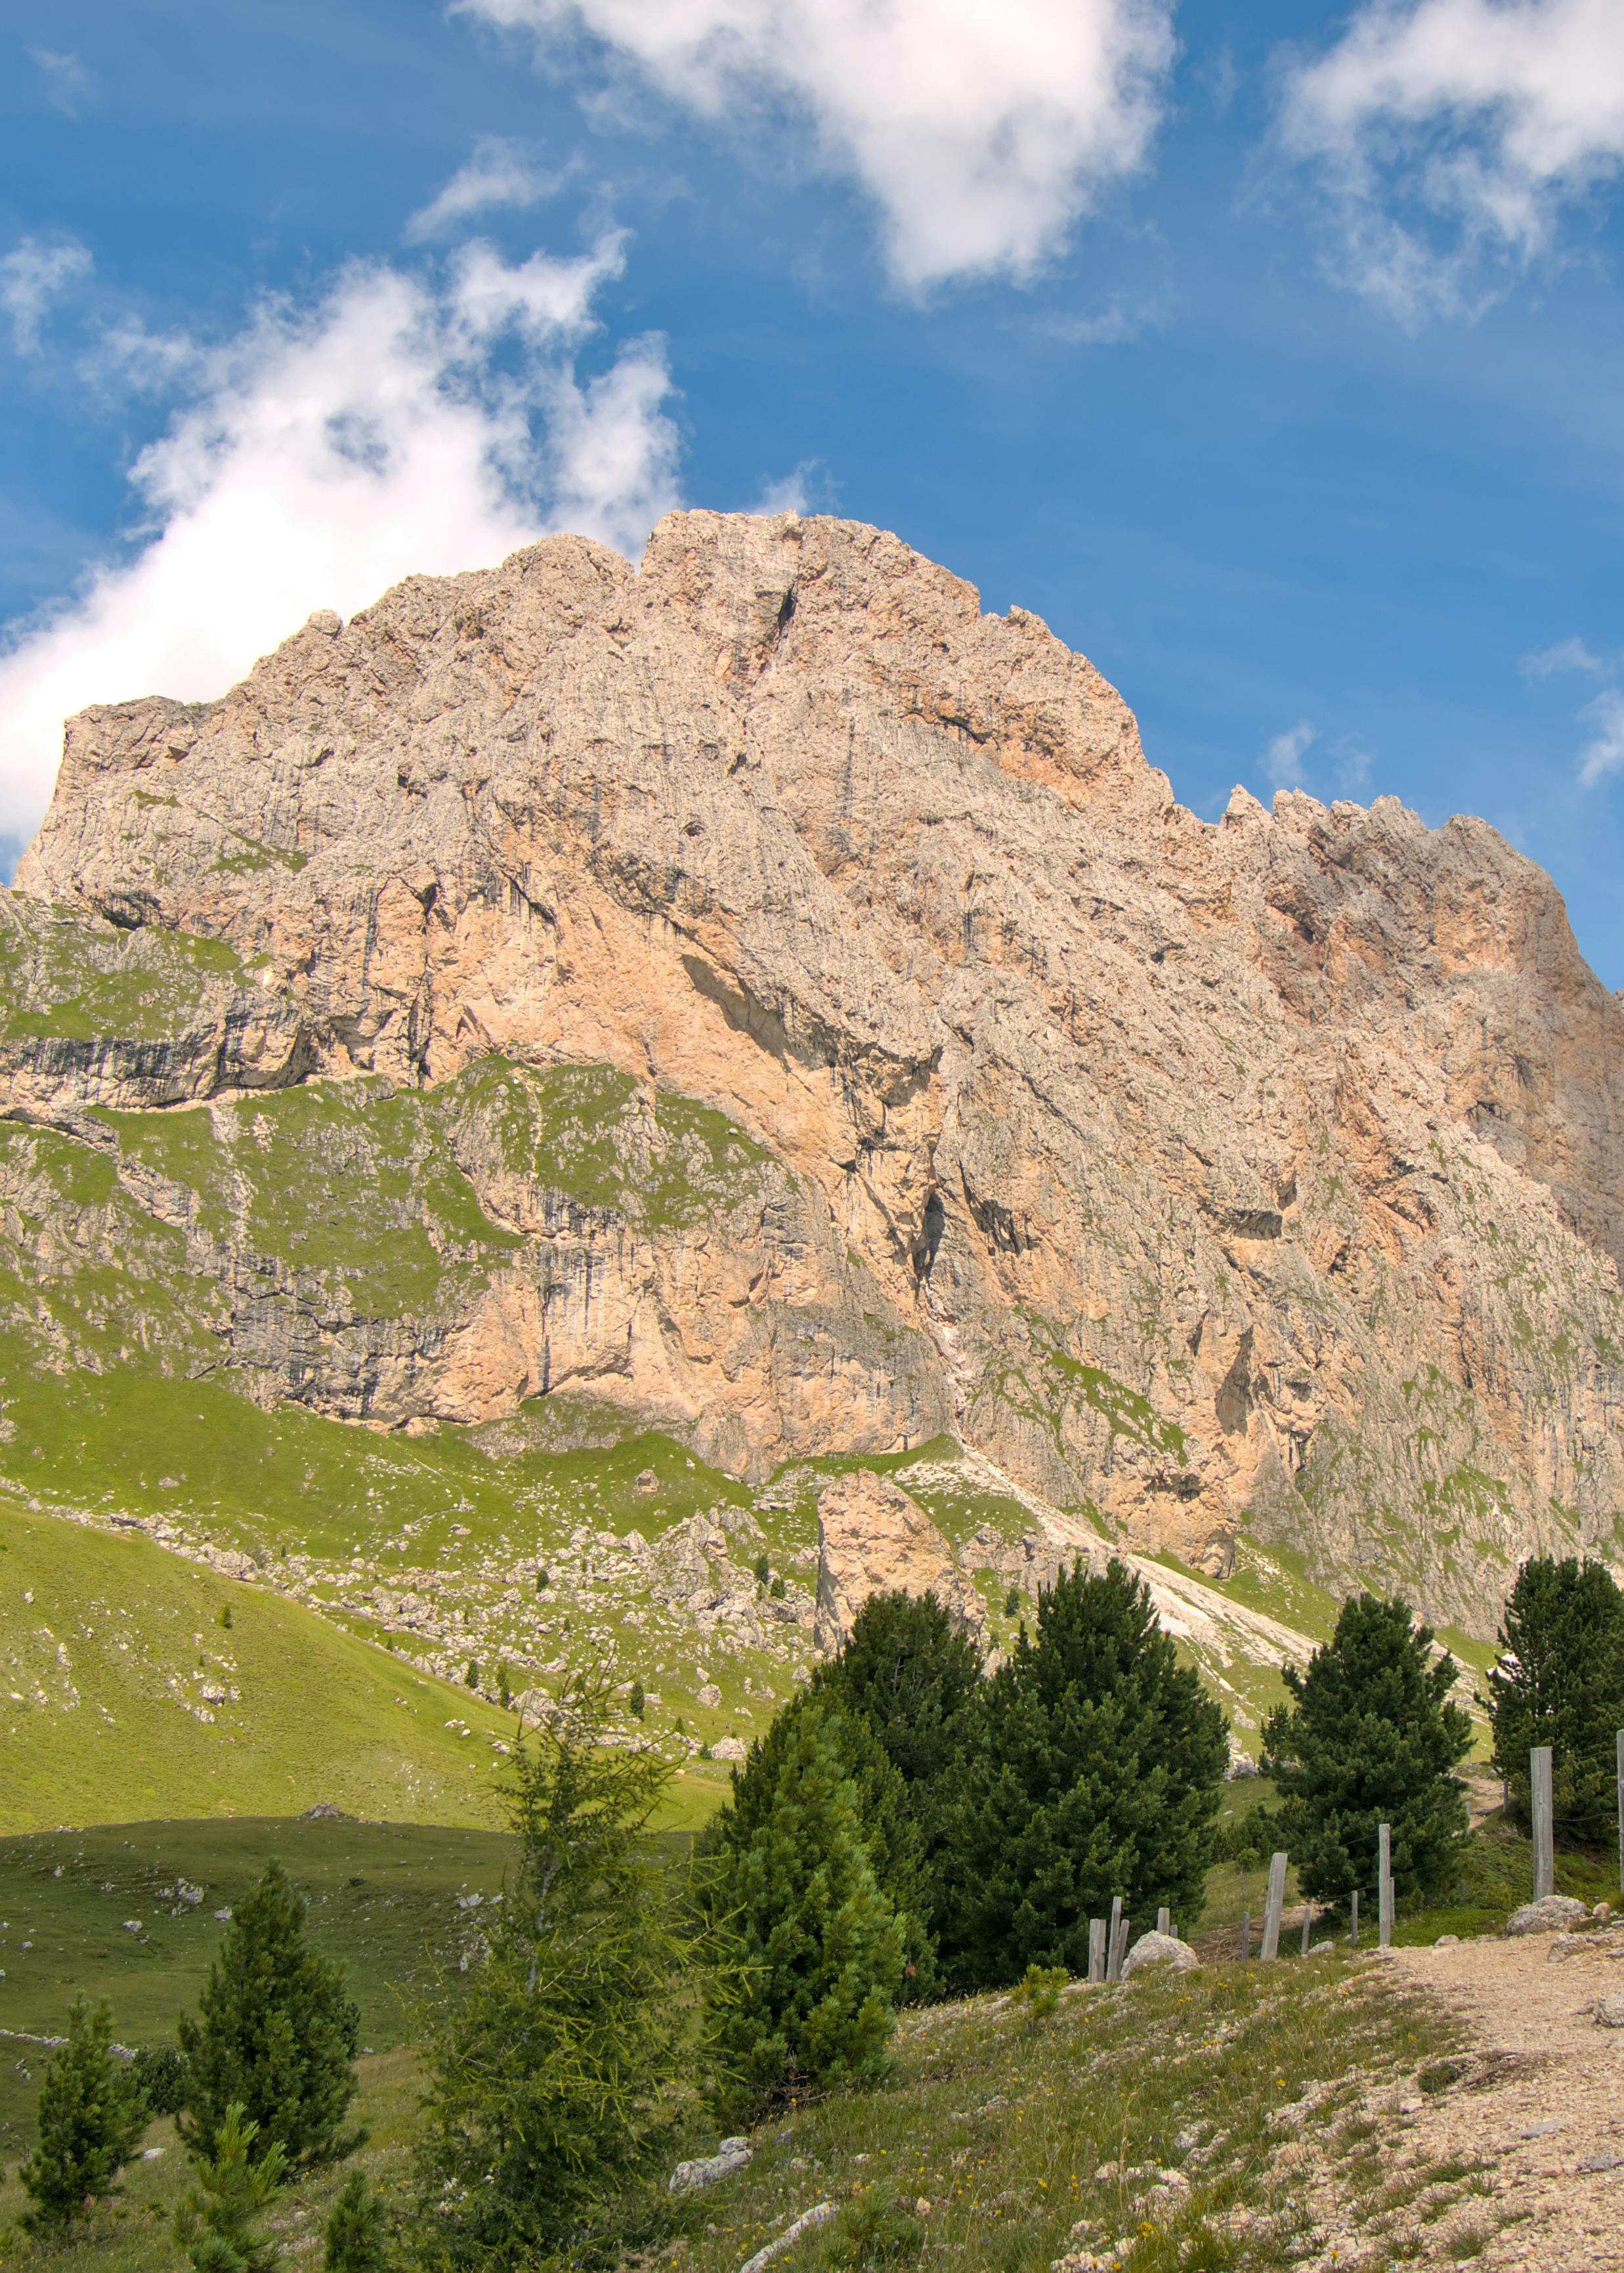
(120, 1692)
(1007, 2133)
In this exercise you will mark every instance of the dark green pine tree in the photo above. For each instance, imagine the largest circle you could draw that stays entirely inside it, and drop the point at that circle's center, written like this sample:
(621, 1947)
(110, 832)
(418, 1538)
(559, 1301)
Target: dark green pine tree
(215, 2220)
(885, 1820)
(1560, 1681)
(275, 2034)
(914, 1675)
(92, 2113)
(808, 2003)
(1372, 1738)
(549, 2077)
(1095, 1771)
(357, 2229)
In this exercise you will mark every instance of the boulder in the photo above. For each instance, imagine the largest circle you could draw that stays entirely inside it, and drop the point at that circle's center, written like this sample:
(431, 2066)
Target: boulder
(1159, 1949)
(1610, 2010)
(708, 2170)
(1551, 1913)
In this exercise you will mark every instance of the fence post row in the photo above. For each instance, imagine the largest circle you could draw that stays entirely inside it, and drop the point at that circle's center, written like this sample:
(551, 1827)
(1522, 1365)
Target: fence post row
(1384, 1885)
(1276, 1899)
(1545, 1828)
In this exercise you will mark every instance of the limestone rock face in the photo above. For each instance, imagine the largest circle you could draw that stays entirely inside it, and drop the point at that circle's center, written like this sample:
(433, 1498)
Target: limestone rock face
(1267, 1171)
(872, 1539)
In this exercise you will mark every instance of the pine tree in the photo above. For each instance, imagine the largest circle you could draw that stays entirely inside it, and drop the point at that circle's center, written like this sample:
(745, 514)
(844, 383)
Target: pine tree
(357, 2229)
(275, 2033)
(638, 1701)
(1370, 1738)
(1560, 1681)
(818, 1949)
(547, 2077)
(91, 2116)
(885, 1822)
(1095, 1771)
(914, 1675)
(215, 2221)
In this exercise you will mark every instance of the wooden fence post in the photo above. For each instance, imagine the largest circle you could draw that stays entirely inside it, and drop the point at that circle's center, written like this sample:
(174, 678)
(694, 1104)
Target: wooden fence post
(1096, 1949)
(1384, 1885)
(1308, 1922)
(1165, 1921)
(1545, 1828)
(1276, 1899)
(1353, 1919)
(1118, 1950)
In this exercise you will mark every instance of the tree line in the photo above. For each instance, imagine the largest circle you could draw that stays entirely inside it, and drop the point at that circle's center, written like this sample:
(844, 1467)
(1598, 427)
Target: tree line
(908, 1828)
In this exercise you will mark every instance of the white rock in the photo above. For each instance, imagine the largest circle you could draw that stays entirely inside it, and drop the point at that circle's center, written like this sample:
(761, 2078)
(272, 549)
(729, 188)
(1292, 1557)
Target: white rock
(1610, 2010)
(708, 2170)
(1552, 1914)
(1159, 1949)
(730, 1748)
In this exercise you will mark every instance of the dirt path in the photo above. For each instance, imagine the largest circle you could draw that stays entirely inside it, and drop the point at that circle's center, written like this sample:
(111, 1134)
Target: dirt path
(1540, 2109)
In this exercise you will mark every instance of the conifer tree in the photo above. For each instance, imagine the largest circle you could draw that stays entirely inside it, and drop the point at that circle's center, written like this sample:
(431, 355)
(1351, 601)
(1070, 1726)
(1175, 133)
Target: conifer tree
(819, 1950)
(547, 2078)
(885, 1821)
(1560, 1681)
(1095, 1771)
(1370, 1738)
(356, 2229)
(914, 1675)
(275, 2034)
(214, 2222)
(92, 2113)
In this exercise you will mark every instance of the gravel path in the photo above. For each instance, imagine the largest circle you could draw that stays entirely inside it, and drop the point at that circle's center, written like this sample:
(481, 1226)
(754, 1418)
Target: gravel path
(1542, 2107)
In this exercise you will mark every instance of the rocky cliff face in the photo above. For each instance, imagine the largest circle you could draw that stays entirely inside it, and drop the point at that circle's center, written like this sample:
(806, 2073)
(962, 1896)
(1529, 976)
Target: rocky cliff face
(766, 994)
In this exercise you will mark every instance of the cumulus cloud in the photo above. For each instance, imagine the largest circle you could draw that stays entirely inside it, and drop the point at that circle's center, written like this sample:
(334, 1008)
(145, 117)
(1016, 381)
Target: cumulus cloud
(1450, 133)
(1283, 761)
(33, 275)
(403, 423)
(981, 131)
(497, 174)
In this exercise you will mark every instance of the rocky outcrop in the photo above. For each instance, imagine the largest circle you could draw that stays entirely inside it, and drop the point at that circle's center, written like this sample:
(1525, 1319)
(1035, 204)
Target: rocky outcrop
(1268, 1171)
(872, 1539)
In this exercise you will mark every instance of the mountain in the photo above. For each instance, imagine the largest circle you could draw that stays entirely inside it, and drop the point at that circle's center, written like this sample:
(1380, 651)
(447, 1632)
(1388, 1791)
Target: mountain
(757, 1006)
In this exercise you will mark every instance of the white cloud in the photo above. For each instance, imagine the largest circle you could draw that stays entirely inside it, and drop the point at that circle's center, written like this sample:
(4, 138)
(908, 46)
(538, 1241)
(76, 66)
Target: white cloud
(1283, 761)
(1604, 754)
(981, 129)
(67, 82)
(1450, 133)
(326, 453)
(1567, 654)
(32, 276)
(497, 174)
(792, 493)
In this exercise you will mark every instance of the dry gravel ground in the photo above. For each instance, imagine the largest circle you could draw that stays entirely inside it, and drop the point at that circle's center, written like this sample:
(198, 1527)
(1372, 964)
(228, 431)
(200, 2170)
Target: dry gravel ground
(1540, 2109)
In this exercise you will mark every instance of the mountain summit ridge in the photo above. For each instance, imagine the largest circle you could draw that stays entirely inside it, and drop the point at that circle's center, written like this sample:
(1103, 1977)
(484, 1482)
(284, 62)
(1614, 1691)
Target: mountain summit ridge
(1267, 1171)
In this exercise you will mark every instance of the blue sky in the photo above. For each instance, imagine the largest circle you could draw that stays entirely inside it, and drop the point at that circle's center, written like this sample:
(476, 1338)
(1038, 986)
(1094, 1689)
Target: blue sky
(1271, 354)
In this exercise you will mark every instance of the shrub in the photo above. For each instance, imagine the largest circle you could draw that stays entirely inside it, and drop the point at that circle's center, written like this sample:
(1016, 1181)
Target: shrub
(1560, 1681)
(1370, 1738)
(763, 1571)
(1037, 1993)
(91, 2116)
(638, 1701)
(160, 2073)
(355, 2229)
(275, 2036)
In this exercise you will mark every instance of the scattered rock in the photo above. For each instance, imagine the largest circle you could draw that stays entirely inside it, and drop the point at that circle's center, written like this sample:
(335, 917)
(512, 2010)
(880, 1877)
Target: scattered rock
(708, 2170)
(1610, 2010)
(819, 2214)
(728, 1748)
(325, 1812)
(1568, 1945)
(1447, 1941)
(709, 1695)
(1551, 1913)
(1159, 1949)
